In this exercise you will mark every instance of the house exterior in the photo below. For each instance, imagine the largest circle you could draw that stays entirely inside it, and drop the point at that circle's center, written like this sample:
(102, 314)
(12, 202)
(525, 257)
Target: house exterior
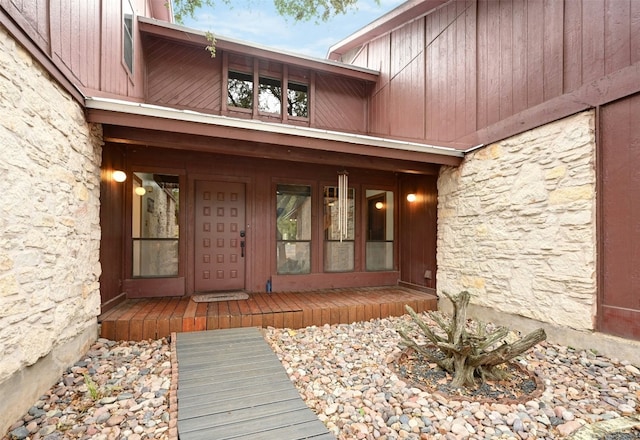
(511, 125)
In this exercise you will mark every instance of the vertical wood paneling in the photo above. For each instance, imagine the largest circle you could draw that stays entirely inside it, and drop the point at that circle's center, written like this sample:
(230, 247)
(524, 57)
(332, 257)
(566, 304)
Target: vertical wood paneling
(572, 46)
(620, 154)
(634, 32)
(617, 30)
(379, 56)
(483, 65)
(592, 40)
(407, 76)
(470, 68)
(493, 62)
(535, 41)
(505, 30)
(553, 48)
(33, 17)
(519, 44)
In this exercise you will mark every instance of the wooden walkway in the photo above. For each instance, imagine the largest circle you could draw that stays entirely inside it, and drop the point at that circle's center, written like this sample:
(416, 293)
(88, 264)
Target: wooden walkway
(231, 385)
(154, 318)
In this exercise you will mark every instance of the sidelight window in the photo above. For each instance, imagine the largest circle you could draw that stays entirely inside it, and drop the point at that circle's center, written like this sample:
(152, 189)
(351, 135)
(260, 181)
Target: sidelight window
(155, 231)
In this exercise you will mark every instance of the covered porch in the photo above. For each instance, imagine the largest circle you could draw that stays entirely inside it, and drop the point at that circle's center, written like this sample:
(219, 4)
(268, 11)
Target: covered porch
(154, 318)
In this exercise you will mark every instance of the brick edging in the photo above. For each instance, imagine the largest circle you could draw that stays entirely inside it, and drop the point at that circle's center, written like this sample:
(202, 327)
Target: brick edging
(173, 392)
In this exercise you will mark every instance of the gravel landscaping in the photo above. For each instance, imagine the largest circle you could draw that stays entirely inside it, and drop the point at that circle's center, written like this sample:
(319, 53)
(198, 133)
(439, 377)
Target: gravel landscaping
(345, 374)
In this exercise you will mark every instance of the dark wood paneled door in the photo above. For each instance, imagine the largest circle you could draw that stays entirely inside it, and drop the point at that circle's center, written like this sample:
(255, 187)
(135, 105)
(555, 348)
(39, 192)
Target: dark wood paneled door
(619, 308)
(219, 236)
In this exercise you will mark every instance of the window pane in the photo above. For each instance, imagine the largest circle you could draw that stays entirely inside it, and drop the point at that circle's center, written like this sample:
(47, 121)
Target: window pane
(156, 258)
(339, 245)
(379, 248)
(331, 223)
(294, 257)
(298, 100)
(240, 90)
(270, 95)
(127, 34)
(379, 255)
(338, 256)
(155, 230)
(293, 229)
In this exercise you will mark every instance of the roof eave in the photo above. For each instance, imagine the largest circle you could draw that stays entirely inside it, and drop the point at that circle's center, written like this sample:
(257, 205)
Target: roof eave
(407, 11)
(448, 155)
(187, 35)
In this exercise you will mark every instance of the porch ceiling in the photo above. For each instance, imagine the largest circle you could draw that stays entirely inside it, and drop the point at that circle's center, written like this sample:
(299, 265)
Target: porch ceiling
(134, 123)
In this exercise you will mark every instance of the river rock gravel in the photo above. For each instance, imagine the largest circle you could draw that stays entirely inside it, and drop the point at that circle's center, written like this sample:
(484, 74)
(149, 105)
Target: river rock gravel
(121, 390)
(343, 373)
(117, 390)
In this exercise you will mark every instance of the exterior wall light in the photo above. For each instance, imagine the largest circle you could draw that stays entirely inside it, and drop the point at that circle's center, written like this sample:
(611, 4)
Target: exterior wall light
(119, 176)
(140, 191)
(379, 205)
(411, 198)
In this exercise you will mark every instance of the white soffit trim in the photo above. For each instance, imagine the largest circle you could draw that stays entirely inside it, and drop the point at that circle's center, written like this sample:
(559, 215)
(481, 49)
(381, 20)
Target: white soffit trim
(141, 109)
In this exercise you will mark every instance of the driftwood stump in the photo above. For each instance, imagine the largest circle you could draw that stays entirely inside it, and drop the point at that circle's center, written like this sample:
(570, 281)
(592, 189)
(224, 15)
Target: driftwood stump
(467, 356)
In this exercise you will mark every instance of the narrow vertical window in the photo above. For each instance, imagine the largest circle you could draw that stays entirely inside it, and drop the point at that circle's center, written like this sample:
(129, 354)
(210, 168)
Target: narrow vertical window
(293, 229)
(379, 250)
(270, 95)
(154, 226)
(339, 241)
(127, 34)
(298, 100)
(240, 90)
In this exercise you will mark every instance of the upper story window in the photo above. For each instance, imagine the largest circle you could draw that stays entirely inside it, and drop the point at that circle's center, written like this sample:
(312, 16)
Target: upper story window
(298, 100)
(240, 90)
(127, 34)
(269, 89)
(270, 95)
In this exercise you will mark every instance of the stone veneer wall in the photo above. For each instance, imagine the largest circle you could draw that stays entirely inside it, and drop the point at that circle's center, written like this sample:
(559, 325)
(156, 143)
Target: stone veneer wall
(517, 225)
(49, 230)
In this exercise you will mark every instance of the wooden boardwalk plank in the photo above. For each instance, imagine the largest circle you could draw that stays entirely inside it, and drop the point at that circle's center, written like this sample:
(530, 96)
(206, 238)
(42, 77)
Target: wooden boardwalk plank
(231, 385)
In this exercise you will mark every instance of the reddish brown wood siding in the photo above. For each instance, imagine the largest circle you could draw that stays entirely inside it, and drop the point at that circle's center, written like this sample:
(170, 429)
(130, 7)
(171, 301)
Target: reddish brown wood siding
(84, 40)
(418, 230)
(487, 68)
(340, 104)
(112, 195)
(620, 218)
(183, 76)
(260, 177)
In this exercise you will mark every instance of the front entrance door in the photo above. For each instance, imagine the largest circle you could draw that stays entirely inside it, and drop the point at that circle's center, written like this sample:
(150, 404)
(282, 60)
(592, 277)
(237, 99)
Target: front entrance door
(219, 236)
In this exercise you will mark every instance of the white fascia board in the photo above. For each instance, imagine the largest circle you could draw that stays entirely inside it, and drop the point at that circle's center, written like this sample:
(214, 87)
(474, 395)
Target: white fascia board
(141, 109)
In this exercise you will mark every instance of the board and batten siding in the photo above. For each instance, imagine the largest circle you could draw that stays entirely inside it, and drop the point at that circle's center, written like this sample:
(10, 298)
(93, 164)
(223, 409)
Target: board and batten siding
(474, 66)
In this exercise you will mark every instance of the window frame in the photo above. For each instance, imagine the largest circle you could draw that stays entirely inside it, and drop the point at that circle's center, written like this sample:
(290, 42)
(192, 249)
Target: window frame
(128, 35)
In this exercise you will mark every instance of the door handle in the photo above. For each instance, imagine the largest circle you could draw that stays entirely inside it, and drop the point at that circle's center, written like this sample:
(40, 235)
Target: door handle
(242, 249)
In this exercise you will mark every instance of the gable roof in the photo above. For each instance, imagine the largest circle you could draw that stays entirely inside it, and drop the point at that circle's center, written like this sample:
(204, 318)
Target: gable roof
(404, 13)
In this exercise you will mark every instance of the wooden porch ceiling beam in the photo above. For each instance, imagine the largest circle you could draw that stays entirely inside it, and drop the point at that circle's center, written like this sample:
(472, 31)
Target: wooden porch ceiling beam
(209, 144)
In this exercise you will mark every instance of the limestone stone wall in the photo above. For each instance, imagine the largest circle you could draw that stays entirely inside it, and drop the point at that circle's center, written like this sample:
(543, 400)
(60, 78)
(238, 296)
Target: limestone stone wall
(49, 230)
(517, 225)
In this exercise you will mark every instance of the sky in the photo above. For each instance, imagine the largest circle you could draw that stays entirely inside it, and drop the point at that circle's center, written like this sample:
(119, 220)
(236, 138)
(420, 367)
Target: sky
(256, 21)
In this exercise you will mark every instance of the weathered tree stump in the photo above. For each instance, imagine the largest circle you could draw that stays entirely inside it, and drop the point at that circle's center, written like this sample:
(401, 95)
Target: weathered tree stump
(468, 357)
